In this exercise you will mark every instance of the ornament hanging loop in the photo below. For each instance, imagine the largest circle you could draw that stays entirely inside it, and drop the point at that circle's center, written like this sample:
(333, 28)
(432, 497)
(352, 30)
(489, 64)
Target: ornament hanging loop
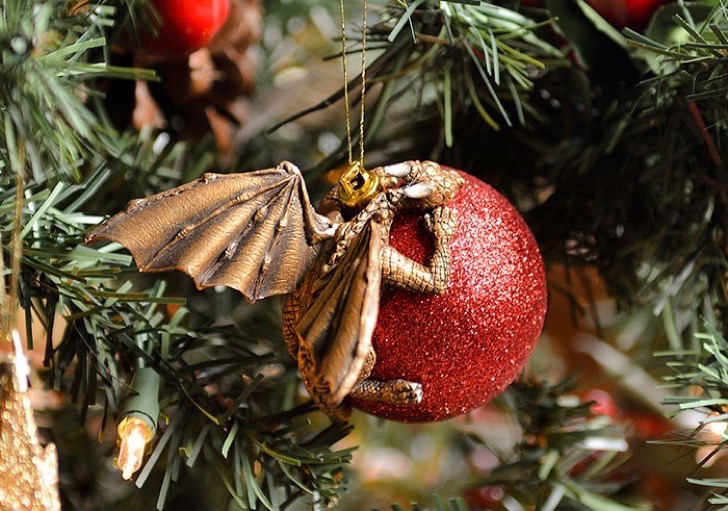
(357, 186)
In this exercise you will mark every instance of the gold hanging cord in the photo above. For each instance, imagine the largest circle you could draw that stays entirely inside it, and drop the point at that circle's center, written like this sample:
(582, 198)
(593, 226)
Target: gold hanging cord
(346, 81)
(358, 186)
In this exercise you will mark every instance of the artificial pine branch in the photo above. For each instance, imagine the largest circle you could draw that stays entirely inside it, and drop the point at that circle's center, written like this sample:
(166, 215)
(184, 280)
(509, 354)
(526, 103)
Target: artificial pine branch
(444, 59)
(568, 458)
(706, 373)
(564, 455)
(482, 56)
(48, 129)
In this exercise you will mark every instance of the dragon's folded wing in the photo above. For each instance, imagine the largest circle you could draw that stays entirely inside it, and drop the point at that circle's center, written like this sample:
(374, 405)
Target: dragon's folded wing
(254, 232)
(335, 329)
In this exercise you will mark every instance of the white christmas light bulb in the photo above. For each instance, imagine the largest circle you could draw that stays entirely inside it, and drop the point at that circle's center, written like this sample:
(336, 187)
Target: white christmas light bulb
(134, 434)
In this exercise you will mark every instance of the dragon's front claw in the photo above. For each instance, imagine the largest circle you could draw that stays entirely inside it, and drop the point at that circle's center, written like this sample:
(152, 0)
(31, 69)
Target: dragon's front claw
(398, 169)
(398, 392)
(442, 223)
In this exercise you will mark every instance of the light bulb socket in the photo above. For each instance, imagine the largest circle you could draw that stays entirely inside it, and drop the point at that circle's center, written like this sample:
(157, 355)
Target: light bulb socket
(143, 401)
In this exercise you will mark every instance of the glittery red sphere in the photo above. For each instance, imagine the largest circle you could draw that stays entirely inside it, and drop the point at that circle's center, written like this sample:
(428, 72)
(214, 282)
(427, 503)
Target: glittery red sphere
(466, 345)
(184, 26)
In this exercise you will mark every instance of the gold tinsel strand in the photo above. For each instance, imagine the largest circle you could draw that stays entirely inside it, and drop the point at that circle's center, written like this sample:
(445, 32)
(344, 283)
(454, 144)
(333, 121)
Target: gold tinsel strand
(29, 471)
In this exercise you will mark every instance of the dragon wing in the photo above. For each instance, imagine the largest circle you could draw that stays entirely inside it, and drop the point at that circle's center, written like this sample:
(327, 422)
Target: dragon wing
(336, 327)
(255, 232)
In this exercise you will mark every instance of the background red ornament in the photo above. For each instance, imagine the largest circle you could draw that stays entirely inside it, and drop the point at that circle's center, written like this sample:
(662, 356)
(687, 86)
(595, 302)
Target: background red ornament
(635, 14)
(466, 345)
(184, 26)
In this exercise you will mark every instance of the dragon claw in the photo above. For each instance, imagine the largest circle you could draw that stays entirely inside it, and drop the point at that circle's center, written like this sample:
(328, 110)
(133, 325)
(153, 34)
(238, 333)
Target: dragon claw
(398, 169)
(419, 190)
(408, 392)
(397, 392)
(441, 222)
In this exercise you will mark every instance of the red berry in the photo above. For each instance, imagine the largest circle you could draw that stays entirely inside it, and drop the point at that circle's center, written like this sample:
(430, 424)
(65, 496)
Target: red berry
(466, 345)
(635, 14)
(184, 26)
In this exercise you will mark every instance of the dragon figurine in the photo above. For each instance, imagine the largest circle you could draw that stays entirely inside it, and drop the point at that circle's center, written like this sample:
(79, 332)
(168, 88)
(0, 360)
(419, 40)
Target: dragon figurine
(258, 233)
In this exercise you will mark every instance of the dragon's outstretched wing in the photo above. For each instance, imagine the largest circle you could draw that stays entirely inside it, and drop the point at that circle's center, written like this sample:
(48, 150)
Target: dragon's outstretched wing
(255, 232)
(336, 327)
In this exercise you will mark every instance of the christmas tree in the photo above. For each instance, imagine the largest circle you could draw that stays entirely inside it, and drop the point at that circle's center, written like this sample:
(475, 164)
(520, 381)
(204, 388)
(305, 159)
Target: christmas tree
(602, 122)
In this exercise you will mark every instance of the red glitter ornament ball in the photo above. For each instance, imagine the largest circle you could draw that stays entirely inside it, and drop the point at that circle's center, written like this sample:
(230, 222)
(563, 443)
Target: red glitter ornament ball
(466, 345)
(183, 26)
